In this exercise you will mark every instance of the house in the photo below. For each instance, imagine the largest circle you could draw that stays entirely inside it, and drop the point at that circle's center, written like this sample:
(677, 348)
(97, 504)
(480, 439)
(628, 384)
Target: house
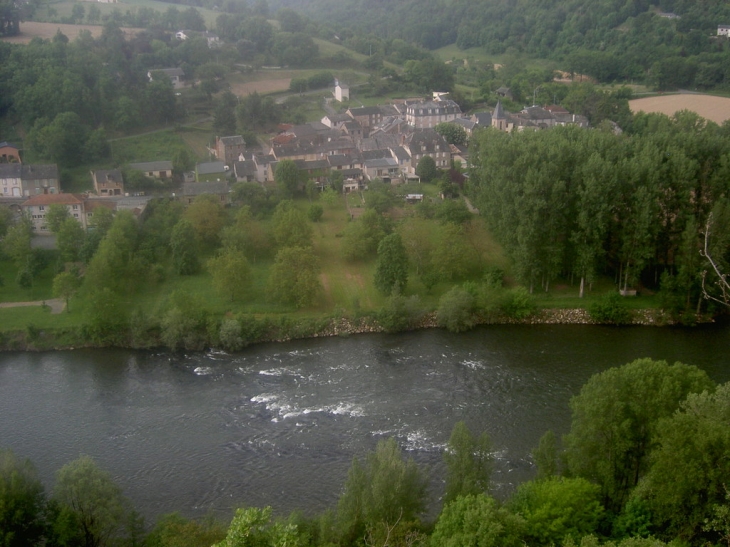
(183, 34)
(108, 183)
(175, 75)
(723, 30)
(245, 171)
(425, 114)
(211, 170)
(426, 142)
(366, 116)
(18, 180)
(220, 189)
(228, 149)
(37, 206)
(93, 205)
(154, 169)
(383, 168)
(213, 40)
(9, 153)
(342, 91)
(504, 92)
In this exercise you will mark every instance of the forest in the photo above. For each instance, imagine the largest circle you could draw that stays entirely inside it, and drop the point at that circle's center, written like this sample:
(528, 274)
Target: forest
(627, 474)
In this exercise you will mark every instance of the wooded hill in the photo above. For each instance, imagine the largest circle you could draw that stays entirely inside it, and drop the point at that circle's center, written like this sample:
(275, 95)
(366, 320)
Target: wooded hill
(611, 40)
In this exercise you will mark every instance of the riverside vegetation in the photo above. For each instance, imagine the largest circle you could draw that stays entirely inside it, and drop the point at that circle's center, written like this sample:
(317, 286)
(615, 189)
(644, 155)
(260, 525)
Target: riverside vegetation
(627, 474)
(566, 215)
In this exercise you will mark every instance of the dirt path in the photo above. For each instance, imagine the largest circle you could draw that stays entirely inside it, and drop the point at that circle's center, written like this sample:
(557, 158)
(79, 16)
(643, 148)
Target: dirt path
(56, 304)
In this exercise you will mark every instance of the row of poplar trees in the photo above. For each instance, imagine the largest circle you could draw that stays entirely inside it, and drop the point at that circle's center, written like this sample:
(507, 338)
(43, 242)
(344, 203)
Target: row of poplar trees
(572, 203)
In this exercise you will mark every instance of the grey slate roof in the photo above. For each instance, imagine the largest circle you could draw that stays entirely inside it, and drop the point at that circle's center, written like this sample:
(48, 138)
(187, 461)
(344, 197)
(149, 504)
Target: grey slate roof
(199, 188)
(498, 112)
(163, 165)
(210, 168)
(234, 140)
(28, 172)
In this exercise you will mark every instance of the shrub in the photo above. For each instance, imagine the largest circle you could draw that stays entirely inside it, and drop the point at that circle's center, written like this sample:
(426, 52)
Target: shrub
(519, 303)
(456, 310)
(400, 313)
(230, 335)
(610, 308)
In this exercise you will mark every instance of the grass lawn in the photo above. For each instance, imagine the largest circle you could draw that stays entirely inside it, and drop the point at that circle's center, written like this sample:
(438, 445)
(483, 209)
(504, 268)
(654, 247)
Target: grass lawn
(151, 147)
(42, 287)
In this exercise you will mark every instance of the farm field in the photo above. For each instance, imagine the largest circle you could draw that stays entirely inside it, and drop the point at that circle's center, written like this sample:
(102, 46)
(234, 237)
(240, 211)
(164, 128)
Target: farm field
(716, 109)
(46, 31)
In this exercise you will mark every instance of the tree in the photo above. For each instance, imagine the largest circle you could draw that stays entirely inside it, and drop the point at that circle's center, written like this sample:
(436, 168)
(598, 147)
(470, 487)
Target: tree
(294, 277)
(468, 463)
(426, 169)
(287, 177)
(391, 268)
(477, 519)
(55, 216)
(291, 227)
(315, 212)
(184, 248)
(62, 140)
(114, 265)
(170, 530)
(613, 430)
(65, 286)
(252, 527)
(207, 217)
(16, 243)
(453, 133)
(361, 237)
(456, 310)
(546, 456)
(231, 274)
(246, 235)
(90, 496)
(690, 468)
(385, 489)
(22, 502)
(557, 508)
(70, 238)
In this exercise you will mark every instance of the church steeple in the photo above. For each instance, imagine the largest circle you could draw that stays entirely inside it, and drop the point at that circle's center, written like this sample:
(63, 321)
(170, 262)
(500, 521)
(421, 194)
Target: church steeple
(499, 118)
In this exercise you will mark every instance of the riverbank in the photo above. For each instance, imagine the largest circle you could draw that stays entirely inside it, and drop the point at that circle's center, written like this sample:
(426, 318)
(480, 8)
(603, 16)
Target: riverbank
(283, 329)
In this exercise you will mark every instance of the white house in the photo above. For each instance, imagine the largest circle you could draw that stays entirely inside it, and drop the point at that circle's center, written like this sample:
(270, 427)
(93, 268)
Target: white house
(342, 91)
(723, 30)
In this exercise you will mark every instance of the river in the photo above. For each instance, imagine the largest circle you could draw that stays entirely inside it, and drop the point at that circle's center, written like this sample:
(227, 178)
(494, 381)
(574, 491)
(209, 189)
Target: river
(279, 424)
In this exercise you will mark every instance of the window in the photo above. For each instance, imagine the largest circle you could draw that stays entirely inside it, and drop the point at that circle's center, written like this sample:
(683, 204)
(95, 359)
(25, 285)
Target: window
(76, 207)
(41, 208)
(76, 215)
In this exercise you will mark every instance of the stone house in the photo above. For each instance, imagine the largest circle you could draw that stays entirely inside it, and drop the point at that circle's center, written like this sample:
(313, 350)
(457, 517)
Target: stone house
(22, 180)
(108, 183)
(229, 149)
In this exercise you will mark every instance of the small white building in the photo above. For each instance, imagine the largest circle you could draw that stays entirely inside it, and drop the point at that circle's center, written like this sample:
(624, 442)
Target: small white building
(342, 91)
(723, 30)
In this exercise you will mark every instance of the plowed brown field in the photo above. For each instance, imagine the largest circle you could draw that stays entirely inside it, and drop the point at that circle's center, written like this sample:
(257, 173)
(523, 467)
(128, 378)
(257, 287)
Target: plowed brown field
(716, 109)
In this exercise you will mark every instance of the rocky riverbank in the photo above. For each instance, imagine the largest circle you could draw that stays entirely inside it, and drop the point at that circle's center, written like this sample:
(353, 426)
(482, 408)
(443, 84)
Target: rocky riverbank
(32, 339)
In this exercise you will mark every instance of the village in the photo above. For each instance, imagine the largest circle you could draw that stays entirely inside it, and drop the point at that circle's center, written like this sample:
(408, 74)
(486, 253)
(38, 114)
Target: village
(384, 142)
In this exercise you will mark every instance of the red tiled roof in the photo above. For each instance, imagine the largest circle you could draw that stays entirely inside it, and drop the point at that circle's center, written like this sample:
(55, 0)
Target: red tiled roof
(50, 199)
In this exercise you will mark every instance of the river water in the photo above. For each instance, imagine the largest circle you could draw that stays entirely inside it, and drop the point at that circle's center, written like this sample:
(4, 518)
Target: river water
(279, 424)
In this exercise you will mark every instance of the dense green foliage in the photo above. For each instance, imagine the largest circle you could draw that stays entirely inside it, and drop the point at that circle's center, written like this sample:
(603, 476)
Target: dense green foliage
(574, 202)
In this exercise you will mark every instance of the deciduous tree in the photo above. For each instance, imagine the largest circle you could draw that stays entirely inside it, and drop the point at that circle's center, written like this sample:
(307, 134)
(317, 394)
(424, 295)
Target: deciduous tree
(468, 463)
(294, 277)
(391, 268)
(613, 430)
(231, 274)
